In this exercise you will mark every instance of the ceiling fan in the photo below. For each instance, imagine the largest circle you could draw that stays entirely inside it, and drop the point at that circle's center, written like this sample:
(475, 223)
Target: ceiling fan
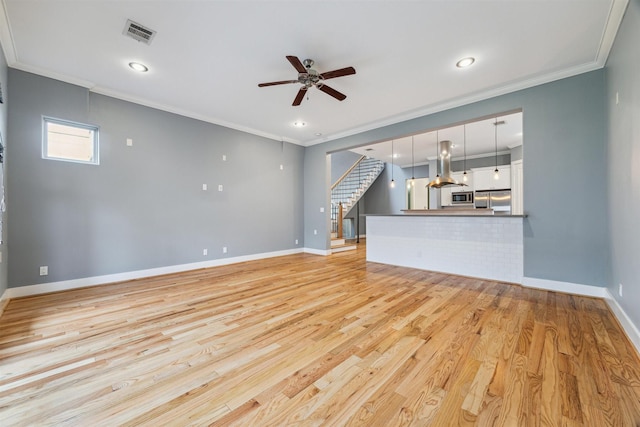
(309, 77)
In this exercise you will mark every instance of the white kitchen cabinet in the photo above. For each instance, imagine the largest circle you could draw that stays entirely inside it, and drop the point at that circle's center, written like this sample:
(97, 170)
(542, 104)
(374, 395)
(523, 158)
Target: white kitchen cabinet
(483, 178)
(516, 188)
(445, 195)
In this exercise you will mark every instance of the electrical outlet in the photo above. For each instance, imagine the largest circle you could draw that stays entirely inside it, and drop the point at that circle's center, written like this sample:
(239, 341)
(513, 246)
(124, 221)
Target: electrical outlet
(620, 289)
(296, 241)
(220, 187)
(224, 157)
(44, 270)
(281, 167)
(315, 231)
(129, 142)
(224, 249)
(204, 187)
(205, 252)
(321, 210)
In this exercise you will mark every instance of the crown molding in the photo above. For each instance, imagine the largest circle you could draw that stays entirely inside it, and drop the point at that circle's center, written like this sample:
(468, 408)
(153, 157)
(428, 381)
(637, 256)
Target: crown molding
(6, 36)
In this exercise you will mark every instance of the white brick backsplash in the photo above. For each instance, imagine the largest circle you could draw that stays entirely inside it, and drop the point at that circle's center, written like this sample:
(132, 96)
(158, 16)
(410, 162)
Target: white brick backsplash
(489, 248)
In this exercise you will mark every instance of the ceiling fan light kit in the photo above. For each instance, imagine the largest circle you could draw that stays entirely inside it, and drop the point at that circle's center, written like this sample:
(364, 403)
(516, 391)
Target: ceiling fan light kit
(309, 77)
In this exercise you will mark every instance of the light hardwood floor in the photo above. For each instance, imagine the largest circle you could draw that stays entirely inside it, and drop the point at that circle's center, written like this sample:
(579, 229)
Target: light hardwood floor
(305, 340)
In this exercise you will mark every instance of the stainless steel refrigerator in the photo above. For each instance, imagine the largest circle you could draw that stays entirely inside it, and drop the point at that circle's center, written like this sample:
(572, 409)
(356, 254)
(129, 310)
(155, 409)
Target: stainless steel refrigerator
(499, 201)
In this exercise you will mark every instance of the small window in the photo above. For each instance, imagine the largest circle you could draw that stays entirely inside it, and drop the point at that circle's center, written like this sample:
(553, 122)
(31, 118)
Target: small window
(73, 142)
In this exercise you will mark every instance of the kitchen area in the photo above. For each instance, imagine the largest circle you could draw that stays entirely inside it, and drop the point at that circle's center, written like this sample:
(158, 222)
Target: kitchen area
(466, 217)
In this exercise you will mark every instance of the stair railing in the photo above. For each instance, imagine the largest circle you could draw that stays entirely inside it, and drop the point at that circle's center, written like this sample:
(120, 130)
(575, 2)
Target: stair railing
(351, 186)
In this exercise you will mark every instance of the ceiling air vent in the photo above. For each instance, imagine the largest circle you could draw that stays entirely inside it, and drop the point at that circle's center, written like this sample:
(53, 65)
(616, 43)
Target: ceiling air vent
(138, 32)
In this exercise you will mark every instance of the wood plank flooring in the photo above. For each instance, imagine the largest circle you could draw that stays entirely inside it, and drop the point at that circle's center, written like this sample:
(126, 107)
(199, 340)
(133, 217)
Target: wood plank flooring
(305, 340)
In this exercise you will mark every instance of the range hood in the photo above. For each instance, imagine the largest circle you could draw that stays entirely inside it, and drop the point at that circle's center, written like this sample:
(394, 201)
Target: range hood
(444, 159)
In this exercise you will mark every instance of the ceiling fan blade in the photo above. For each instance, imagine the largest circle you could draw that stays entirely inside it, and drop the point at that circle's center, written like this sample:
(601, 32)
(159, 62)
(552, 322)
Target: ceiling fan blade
(331, 91)
(297, 64)
(338, 73)
(282, 82)
(299, 97)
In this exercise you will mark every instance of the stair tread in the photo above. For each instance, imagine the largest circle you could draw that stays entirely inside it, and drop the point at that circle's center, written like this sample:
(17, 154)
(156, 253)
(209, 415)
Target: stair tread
(345, 247)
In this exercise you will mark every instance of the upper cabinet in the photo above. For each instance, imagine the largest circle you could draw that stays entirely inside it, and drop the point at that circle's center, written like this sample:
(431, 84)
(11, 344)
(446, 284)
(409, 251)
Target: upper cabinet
(484, 178)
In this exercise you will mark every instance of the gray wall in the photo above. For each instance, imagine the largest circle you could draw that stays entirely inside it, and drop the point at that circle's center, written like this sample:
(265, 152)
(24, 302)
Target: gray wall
(564, 136)
(481, 162)
(516, 153)
(143, 207)
(380, 198)
(341, 162)
(4, 252)
(624, 162)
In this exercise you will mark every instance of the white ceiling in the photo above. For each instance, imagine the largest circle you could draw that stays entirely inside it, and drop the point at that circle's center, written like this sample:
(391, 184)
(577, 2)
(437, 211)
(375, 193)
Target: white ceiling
(208, 56)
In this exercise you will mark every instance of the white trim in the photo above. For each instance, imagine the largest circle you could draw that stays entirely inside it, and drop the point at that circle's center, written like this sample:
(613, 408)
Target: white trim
(627, 324)
(6, 36)
(53, 75)
(616, 13)
(42, 288)
(191, 115)
(4, 300)
(565, 287)
(322, 252)
(614, 20)
(461, 101)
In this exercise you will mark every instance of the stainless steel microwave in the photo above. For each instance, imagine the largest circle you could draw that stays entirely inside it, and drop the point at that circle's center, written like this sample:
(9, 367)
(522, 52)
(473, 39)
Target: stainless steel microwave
(462, 198)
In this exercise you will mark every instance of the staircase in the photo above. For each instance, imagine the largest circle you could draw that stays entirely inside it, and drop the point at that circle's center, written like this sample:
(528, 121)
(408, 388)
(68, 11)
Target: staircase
(346, 193)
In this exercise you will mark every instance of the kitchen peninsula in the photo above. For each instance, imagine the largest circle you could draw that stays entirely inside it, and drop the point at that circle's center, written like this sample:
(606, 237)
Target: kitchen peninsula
(468, 244)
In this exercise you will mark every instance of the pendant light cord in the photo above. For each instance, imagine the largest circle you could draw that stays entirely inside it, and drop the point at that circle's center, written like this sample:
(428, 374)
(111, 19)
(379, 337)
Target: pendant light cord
(437, 155)
(464, 147)
(496, 139)
(413, 176)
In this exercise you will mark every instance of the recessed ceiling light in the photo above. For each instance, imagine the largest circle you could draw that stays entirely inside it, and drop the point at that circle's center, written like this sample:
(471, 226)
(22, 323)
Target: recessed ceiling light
(465, 62)
(319, 134)
(136, 66)
(299, 124)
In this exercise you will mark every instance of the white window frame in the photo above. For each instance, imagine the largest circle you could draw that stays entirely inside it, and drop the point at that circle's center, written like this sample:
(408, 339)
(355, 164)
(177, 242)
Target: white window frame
(45, 136)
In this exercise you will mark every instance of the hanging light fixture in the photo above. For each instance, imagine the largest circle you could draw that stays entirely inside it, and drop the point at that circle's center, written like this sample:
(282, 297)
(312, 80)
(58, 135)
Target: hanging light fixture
(393, 183)
(437, 160)
(465, 177)
(413, 177)
(496, 172)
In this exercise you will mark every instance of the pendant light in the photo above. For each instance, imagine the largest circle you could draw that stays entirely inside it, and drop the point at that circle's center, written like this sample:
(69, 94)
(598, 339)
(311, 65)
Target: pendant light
(464, 148)
(496, 172)
(437, 158)
(413, 177)
(393, 183)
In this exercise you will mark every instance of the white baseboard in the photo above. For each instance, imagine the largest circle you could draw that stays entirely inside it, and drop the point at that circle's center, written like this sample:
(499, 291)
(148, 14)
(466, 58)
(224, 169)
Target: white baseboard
(42, 288)
(628, 326)
(565, 287)
(4, 300)
(591, 291)
(312, 251)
